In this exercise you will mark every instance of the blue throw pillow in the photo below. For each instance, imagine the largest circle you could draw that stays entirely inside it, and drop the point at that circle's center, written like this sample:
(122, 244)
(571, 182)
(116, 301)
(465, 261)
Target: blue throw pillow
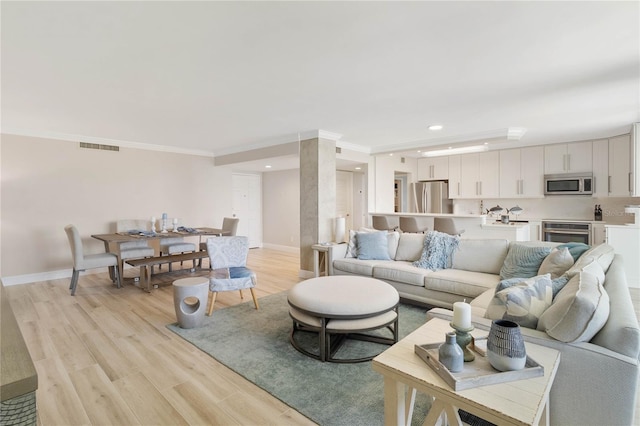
(523, 261)
(372, 245)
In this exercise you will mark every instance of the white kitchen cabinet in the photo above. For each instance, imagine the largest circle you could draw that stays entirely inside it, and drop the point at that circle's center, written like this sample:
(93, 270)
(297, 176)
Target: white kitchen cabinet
(575, 157)
(480, 175)
(619, 166)
(598, 234)
(625, 240)
(434, 168)
(454, 176)
(600, 168)
(522, 172)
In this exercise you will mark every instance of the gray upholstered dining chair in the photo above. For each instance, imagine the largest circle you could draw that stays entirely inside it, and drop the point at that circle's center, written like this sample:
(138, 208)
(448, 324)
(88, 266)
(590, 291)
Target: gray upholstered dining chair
(132, 249)
(412, 224)
(82, 262)
(175, 245)
(228, 257)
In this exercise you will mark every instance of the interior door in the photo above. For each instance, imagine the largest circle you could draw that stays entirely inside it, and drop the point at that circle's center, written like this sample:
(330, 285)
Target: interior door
(344, 198)
(247, 206)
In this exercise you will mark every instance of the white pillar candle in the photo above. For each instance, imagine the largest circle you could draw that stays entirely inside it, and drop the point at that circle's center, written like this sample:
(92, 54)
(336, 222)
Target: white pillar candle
(462, 315)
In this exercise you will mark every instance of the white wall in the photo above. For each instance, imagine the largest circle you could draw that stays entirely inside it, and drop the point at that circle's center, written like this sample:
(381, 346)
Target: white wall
(281, 208)
(382, 170)
(47, 184)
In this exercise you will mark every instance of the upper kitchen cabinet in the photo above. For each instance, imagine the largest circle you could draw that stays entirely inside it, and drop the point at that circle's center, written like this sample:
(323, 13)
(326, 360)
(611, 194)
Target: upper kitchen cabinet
(619, 166)
(480, 175)
(575, 157)
(455, 168)
(522, 172)
(434, 168)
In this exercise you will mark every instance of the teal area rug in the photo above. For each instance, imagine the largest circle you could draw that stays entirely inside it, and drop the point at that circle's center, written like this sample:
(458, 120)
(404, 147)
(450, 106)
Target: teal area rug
(255, 344)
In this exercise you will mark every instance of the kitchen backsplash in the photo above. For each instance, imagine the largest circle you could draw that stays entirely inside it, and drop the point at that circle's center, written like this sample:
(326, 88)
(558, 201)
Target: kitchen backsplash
(557, 207)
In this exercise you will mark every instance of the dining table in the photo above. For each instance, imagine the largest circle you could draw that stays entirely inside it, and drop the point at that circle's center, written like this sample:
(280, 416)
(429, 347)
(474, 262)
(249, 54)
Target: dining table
(112, 241)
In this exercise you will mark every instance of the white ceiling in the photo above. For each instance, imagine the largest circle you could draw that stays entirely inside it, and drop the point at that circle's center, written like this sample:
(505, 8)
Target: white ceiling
(222, 77)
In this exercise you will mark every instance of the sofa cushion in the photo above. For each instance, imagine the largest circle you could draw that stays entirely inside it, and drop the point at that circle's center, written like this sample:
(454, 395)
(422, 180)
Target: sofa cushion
(400, 271)
(522, 303)
(437, 250)
(464, 283)
(523, 261)
(480, 255)
(602, 253)
(556, 263)
(410, 246)
(579, 311)
(356, 266)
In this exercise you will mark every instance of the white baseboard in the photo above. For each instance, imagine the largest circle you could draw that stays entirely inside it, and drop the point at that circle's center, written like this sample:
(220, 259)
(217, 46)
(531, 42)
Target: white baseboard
(41, 276)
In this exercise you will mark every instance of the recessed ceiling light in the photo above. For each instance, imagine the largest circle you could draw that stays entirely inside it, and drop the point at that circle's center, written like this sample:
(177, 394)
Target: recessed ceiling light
(391, 155)
(267, 166)
(435, 127)
(358, 168)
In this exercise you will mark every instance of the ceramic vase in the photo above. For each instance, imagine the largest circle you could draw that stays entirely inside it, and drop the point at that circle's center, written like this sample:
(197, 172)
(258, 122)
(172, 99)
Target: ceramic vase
(450, 354)
(505, 346)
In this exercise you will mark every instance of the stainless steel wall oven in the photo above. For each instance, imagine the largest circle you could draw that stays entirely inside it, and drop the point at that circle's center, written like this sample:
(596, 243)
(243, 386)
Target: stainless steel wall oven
(566, 232)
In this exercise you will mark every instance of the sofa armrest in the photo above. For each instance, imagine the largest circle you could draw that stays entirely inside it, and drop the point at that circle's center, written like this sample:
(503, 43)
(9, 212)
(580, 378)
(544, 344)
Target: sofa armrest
(335, 251)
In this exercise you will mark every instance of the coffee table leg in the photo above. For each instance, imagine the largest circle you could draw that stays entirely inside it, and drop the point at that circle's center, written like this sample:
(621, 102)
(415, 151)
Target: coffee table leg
(394, 402)
(442, 413)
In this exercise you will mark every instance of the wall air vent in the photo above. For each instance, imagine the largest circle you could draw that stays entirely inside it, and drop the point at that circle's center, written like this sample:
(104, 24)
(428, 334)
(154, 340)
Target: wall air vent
(338, 150)
(402, 160)
(99, 146)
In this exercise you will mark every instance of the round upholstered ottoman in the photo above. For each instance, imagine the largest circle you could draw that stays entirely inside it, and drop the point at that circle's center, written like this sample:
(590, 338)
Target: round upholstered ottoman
(190, 300)
(342, 307)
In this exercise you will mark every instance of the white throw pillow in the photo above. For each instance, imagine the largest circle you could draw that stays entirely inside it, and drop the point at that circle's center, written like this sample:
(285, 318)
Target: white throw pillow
(579, 310)
(410, 246)
(522, 303)
(556, 263)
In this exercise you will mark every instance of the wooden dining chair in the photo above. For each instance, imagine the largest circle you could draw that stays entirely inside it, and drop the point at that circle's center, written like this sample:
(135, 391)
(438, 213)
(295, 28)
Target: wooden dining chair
(82, 262)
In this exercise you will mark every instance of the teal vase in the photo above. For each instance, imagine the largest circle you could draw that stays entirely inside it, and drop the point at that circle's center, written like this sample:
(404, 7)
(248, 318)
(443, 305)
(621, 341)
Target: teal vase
(450, 354)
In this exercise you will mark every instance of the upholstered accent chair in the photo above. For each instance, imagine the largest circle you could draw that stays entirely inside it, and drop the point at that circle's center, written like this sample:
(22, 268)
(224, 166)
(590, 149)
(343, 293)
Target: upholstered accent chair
(82, 262)
(228, 257)
(412, 224)
(229, 229)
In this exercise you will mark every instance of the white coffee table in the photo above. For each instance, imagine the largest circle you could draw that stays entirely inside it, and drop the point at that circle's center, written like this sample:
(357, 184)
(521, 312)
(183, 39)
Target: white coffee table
(520, 402)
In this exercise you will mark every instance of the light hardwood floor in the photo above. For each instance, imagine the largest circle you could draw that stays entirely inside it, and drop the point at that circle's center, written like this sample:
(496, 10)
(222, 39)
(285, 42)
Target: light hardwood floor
(105, 356)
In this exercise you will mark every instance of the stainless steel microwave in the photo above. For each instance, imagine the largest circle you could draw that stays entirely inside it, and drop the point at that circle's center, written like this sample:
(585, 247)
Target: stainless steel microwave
(568, 184)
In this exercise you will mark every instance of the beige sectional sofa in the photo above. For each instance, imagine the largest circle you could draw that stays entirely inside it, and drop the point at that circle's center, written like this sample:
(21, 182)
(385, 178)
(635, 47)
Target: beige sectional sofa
(597, 380)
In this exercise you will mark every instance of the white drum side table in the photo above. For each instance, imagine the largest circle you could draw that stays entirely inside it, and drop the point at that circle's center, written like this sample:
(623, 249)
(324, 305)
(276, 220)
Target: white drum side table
(190, 300)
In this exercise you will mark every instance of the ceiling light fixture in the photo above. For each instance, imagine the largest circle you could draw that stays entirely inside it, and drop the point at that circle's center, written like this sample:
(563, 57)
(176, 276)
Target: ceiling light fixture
(435, 127)
(452, 151)
(267, 166)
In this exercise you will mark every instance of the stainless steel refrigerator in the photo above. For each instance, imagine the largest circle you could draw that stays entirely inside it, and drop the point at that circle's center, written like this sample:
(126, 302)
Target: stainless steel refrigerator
(432, 197)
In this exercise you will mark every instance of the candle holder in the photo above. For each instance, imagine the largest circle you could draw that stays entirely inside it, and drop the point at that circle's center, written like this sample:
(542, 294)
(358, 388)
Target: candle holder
(463, 338)
(164, 226)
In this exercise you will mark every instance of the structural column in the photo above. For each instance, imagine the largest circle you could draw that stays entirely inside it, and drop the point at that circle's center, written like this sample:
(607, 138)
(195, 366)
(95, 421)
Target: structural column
(317, 196)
